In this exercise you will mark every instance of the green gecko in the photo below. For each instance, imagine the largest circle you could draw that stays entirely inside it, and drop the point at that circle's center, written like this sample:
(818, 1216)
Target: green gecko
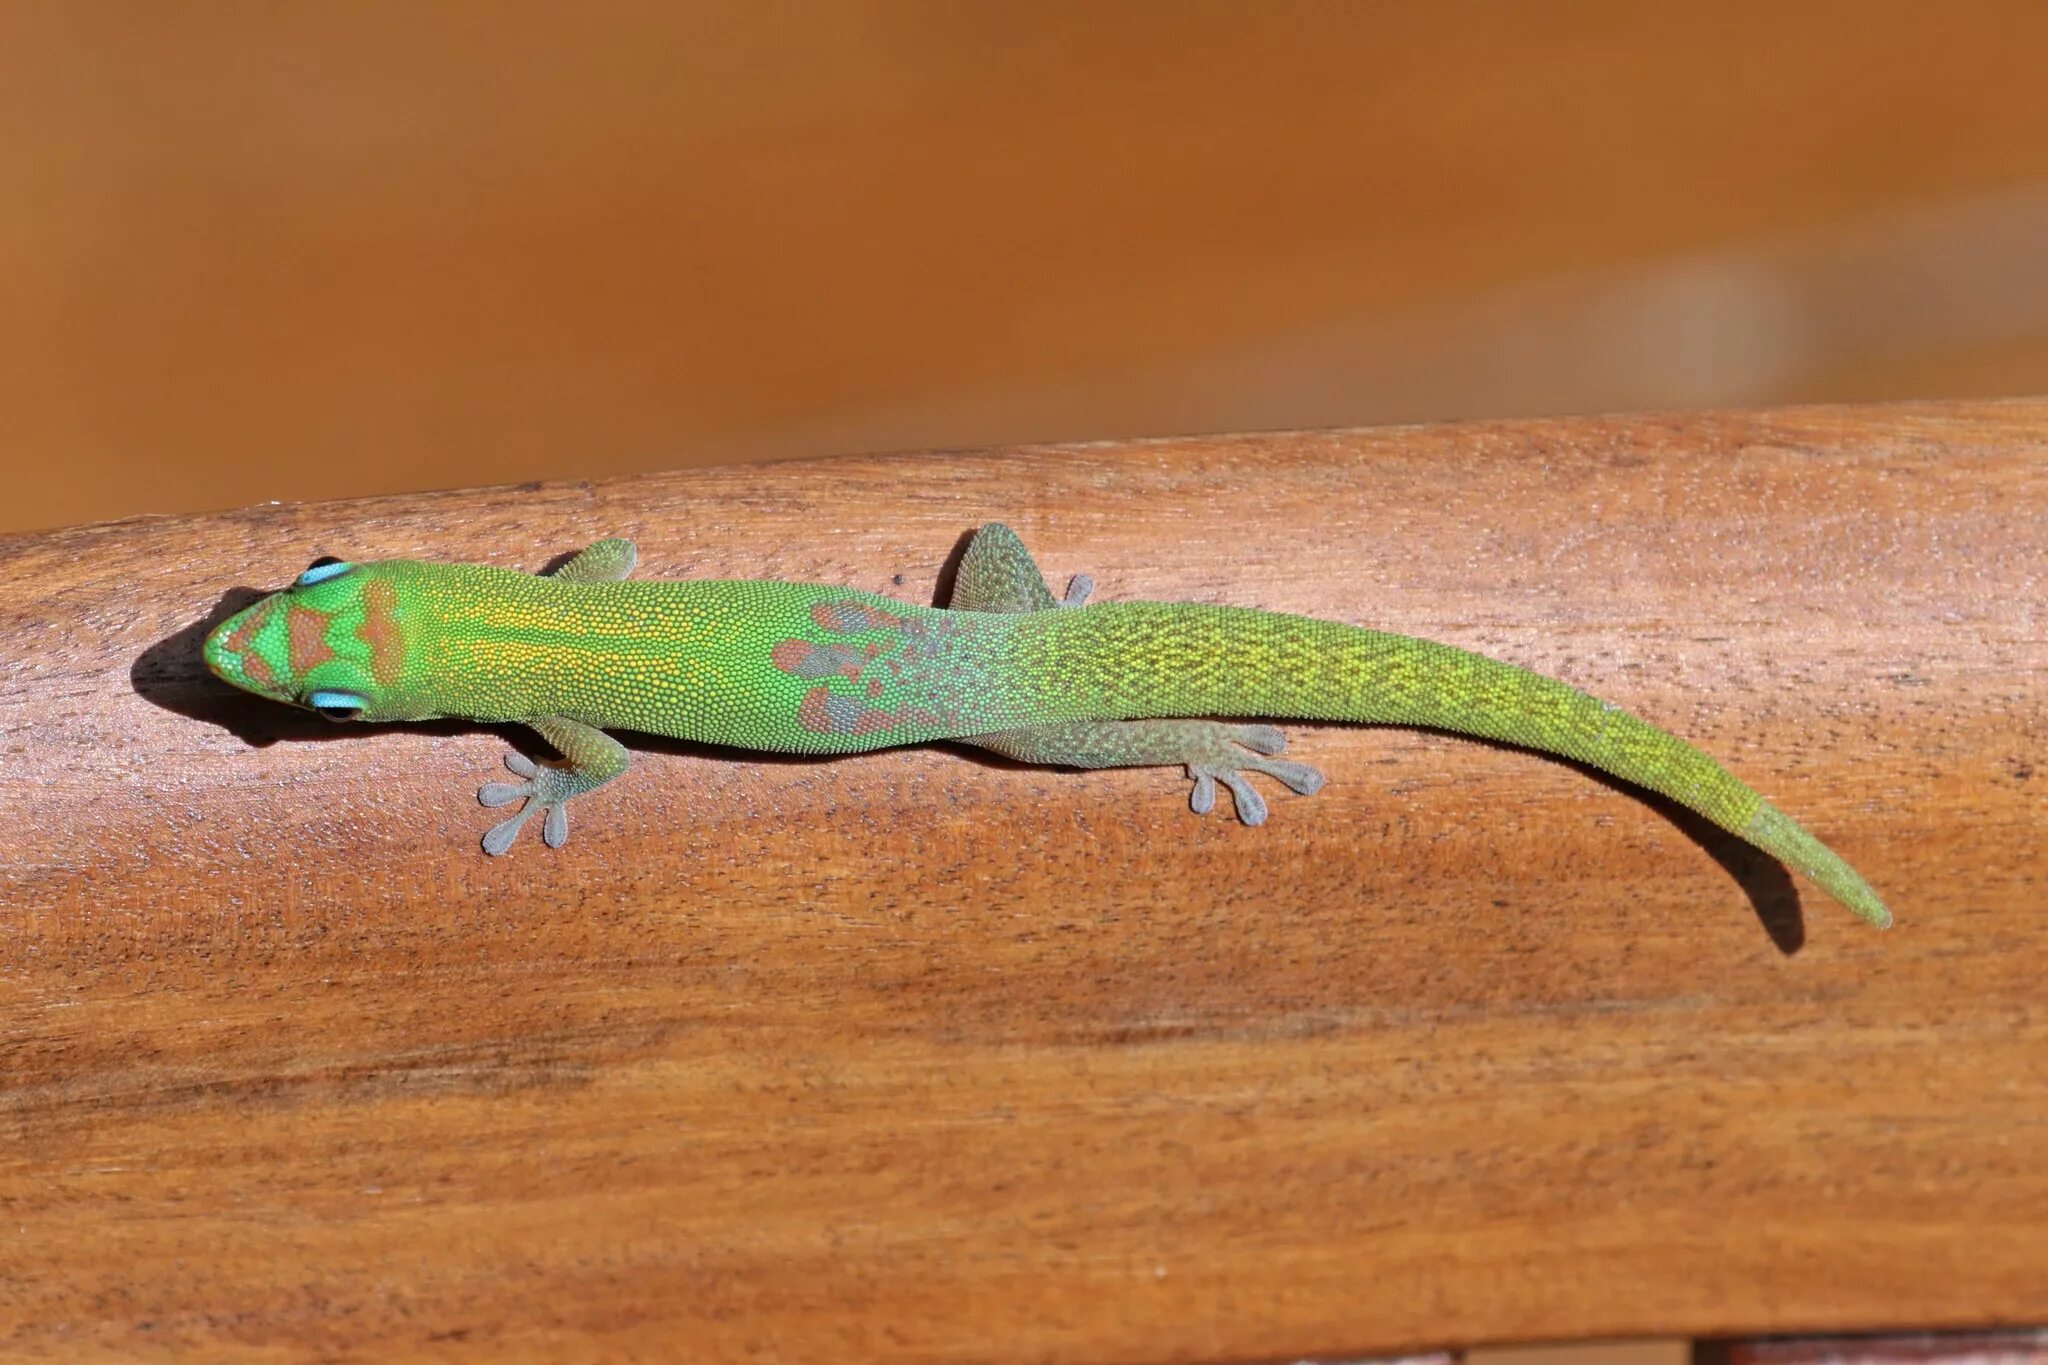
(812, 669)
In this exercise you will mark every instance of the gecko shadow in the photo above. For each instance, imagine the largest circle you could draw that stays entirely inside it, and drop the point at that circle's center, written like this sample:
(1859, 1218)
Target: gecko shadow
(1763, 880)
(1773, 897)
(172, 674)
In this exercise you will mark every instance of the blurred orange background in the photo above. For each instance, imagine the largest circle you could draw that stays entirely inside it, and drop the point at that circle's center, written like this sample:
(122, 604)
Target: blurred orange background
(253, 251)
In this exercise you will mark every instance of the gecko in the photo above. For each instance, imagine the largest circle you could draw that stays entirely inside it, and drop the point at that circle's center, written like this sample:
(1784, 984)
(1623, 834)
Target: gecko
(808, 668)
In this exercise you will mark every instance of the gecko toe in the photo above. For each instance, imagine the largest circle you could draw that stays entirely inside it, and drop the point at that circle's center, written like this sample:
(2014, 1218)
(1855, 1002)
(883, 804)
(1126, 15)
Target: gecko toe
(1261, 739)
(503, 793)
(1299, 778)
(1251, 807)
(501, 836)
(1078, 589)
(554, 827)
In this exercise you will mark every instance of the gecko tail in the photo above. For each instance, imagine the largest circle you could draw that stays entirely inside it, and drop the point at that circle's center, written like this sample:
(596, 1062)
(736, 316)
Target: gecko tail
(1486, 697)
(1150, 660)
(1495, 700)
(1785, 839)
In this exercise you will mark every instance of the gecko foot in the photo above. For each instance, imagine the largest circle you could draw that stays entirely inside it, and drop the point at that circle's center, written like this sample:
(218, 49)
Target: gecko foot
(1263, 741)
(546, 789)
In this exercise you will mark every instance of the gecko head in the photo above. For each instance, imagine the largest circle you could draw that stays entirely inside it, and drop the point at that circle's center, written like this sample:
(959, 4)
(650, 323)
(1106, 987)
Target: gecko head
(331, 642)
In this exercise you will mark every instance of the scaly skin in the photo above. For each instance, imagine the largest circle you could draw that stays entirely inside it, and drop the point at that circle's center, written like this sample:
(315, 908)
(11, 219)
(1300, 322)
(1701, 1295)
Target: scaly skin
(806, 668)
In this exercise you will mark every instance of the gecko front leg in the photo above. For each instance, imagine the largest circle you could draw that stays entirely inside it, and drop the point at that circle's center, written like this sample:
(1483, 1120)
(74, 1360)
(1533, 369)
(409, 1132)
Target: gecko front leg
(590, 758)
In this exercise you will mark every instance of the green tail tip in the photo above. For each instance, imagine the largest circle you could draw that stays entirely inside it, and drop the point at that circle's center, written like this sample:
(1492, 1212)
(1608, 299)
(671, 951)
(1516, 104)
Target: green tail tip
(1779, 835)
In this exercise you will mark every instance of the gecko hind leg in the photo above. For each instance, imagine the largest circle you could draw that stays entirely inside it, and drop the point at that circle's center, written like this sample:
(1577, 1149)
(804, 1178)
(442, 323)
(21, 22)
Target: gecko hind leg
(1212, 751)
(591, 758)
(998, 574)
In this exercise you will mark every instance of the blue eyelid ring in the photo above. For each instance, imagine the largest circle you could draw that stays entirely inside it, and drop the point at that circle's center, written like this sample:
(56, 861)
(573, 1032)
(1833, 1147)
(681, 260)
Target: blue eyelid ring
(320, 573)
(336, 701)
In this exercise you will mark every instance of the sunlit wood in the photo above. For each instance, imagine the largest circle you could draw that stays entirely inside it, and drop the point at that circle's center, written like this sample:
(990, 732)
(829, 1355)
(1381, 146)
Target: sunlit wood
(920, 1056)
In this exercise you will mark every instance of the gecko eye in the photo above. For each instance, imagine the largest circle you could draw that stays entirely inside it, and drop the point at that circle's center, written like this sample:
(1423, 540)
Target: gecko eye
(337, 705)
(322, 569)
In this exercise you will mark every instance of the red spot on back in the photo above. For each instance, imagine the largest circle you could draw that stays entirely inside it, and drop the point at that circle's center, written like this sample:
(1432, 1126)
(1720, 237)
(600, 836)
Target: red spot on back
(814, 715)
(844, 618)
(827, 714)
(806, 660)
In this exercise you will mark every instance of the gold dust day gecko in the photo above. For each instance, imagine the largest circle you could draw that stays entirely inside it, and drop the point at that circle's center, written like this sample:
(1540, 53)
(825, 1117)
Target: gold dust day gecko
(813, 669)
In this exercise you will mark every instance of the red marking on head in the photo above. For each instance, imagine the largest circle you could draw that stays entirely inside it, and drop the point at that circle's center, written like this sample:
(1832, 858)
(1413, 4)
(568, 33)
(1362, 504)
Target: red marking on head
(380, 632)
(307, 631)
(258, 672)
(244, 635)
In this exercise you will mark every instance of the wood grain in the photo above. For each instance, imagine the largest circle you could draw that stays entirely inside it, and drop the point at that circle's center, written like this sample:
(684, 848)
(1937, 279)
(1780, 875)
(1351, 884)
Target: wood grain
(921, 1057)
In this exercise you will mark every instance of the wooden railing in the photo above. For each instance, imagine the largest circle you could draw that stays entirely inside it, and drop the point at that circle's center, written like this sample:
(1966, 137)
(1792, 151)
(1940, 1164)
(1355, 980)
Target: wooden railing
(923, 1056)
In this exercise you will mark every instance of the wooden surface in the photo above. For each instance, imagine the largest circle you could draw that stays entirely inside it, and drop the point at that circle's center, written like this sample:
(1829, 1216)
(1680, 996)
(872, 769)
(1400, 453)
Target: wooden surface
(915, 1056)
